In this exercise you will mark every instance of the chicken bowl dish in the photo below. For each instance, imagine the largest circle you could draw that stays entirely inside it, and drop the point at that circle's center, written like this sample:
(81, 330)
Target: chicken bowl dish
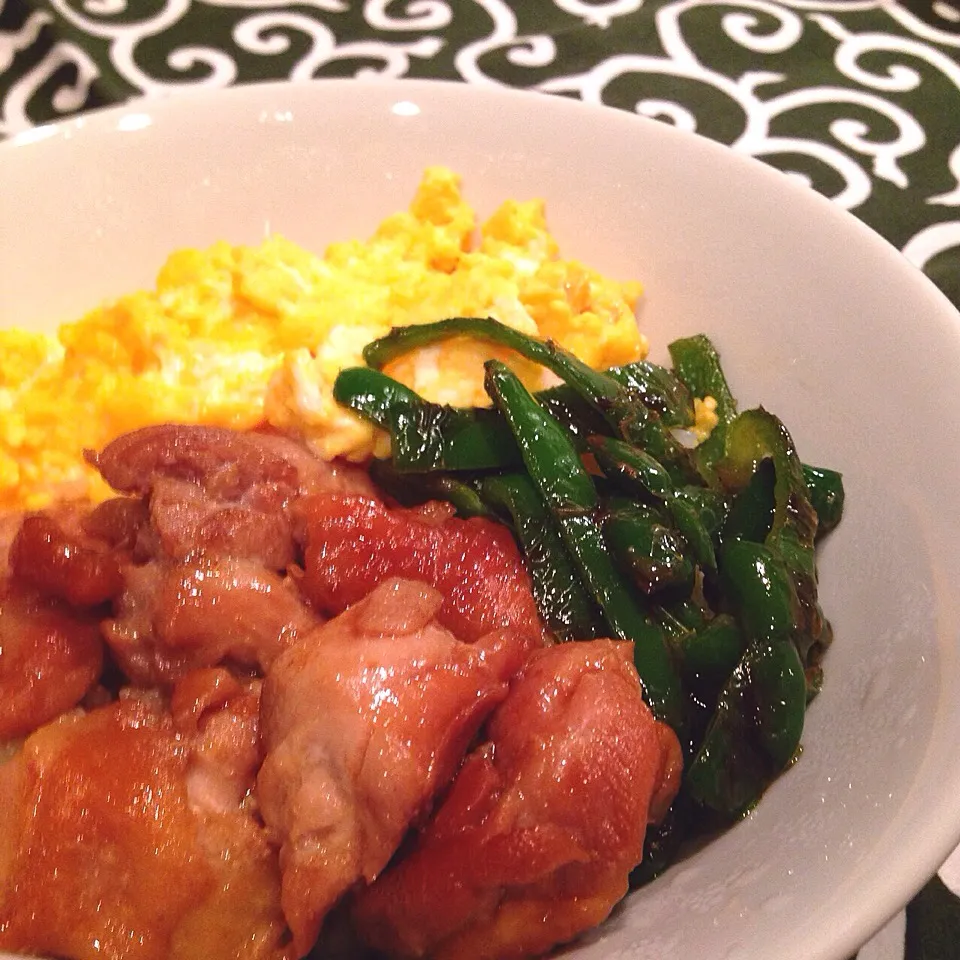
(387, 602)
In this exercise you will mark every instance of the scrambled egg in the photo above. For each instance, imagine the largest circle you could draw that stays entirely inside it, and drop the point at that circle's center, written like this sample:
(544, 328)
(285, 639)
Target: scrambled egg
(239, 336)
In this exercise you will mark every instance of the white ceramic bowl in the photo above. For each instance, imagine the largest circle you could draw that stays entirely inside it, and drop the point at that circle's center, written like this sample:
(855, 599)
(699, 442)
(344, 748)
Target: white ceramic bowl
(815, 316)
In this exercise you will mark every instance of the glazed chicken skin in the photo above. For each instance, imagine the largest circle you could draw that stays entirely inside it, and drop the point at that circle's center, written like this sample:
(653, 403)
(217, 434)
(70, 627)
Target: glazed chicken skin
(55, 555)
(212, 768)
(220, 490)
(535, 841)
(364, 720)
(194, 561)
(50, 656)
(190, 569)
(206, 581)
(125, 833)
(178, 616)
(354, 542)
(51, 650)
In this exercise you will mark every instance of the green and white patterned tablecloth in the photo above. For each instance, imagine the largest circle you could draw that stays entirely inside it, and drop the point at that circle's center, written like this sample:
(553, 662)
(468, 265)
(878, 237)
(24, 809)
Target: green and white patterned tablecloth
(860, 98)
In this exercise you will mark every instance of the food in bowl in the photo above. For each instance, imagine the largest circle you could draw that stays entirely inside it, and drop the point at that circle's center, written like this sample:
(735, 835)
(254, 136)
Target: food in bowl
(439, 703)
(241, 336)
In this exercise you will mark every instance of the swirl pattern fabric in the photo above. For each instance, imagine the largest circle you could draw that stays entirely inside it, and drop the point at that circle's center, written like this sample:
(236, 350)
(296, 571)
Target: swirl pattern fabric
(859, 99)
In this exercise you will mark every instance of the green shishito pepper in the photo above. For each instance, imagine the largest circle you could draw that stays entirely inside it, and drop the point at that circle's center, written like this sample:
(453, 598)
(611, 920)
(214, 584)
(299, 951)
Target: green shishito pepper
(620, 404)
(711, 653)
(598, 388)
(756, 439)
(554, 465)
(751, 513)
(759, 588)
(564, 605)
(634, 468)
(755, 436)
(703, 557)
(640, 472)
(435, 486)
(754, 733)
(426, 436)
(825, 489)
(649, 551)
(756, 728)
(430, 436)
(768, 575)
(659, 389)
(697, 364)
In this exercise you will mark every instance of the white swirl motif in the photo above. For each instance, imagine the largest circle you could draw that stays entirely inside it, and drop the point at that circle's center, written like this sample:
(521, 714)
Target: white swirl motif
(672, 113)
(105, 8)
(853, 133)
(743, 28)
(326, 6)
(840, 6)
(591, 85)
(738, 26)
(857, 185)
(417, 15)
(947, 11)
(782, 28)
(535, 51)
(680, 61)
(599, 14)
(12, 43)
(125, 36)
(920, 249)
(66, 99)
(171, 12)
(222, 68)
(952, 198)
(919, 28)
(253, 34)
(899, 77)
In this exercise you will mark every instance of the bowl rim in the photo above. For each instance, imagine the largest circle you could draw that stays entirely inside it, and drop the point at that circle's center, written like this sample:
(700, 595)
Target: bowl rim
(169, 105)
(939, 836)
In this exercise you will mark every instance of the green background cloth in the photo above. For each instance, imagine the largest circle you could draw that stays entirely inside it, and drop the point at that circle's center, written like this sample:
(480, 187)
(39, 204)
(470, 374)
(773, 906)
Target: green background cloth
(860, 98)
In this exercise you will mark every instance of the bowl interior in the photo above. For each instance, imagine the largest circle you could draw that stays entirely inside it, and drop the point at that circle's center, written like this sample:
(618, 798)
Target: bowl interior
(816, 317)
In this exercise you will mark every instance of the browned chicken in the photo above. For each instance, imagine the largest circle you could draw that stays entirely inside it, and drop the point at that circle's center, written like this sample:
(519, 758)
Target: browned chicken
(56, 556)
(364, 721)
(353, 542)
(177, 616)
(537, 836)
(194, 566)
(126, 832)
(209, 814)
(50, 656)
(205, 580)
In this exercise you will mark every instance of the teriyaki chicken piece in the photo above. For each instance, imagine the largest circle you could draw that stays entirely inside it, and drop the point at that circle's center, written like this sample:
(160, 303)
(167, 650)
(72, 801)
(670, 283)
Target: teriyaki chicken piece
(536, 838)
(364, 721)
(128, 831)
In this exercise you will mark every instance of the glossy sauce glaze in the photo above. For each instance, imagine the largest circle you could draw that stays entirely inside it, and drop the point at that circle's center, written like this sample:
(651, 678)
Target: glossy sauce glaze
(257, 693)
